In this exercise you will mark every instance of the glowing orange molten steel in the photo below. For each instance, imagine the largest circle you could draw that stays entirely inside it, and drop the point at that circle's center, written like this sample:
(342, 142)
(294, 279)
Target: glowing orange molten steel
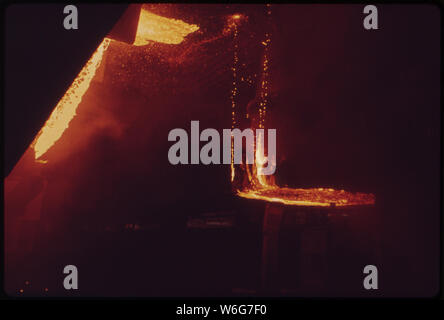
(65, 110)
(152, 27)
(263, 187)
(309, 197)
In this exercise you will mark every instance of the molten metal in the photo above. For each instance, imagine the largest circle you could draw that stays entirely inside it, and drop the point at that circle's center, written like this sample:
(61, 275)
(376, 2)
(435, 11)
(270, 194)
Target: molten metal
(263, 187)
(308, 197)
(152, 27)
(65, 110)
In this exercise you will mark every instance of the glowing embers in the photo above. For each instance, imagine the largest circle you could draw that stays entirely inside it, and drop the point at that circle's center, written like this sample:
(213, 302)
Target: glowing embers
(234, 89)
(152, 27)
(65, 110)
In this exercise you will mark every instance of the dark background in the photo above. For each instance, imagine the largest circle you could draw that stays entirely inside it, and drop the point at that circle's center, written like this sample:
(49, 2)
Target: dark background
(369, 120)
(355, 109)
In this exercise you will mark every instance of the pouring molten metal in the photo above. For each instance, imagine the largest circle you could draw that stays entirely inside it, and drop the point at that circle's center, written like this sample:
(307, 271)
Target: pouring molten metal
(263, 187)
(151, 27)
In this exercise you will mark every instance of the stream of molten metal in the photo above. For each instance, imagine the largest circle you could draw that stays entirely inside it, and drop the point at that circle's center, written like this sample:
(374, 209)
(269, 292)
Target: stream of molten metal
(264, 187)
(152, 27)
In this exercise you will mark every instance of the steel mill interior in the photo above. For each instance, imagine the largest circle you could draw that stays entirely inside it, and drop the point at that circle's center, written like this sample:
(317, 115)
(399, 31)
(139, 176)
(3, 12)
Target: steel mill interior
(355, 160)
